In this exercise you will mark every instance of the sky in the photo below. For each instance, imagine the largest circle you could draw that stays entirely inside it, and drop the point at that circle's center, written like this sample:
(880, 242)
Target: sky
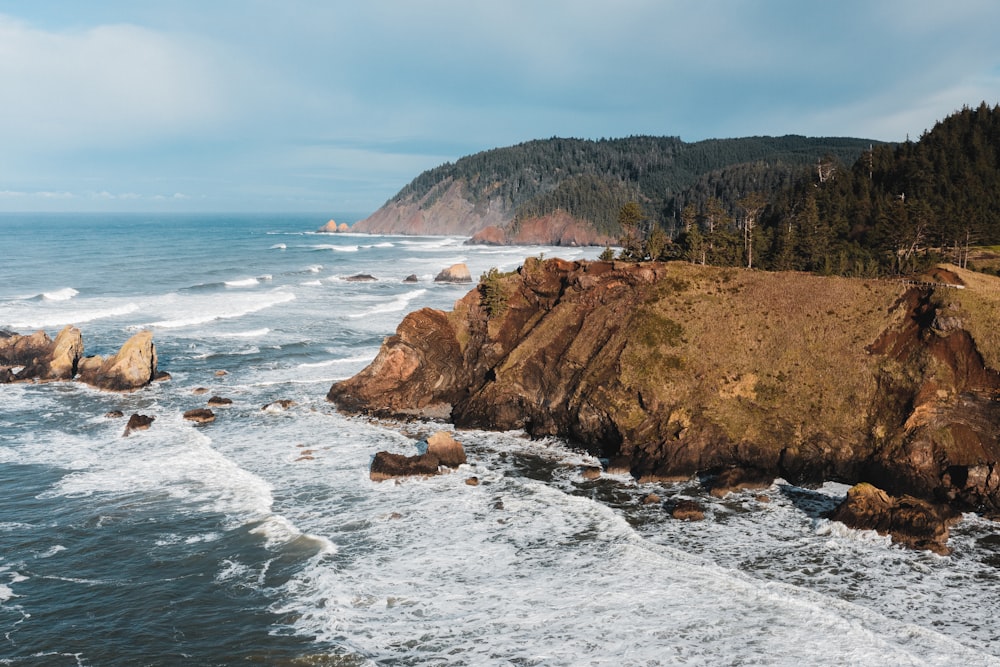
(333, 106)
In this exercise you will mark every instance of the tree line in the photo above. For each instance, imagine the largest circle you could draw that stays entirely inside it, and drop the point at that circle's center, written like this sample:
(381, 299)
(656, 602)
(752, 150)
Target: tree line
(892, 210)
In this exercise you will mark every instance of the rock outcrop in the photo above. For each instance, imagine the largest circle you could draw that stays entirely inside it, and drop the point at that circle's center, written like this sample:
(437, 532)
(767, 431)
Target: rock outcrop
(909, 521)
(133, 367)
(670, 370)
(39, 357)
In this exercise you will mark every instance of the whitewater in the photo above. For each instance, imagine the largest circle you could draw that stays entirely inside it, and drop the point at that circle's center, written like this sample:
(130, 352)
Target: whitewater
(260, 538)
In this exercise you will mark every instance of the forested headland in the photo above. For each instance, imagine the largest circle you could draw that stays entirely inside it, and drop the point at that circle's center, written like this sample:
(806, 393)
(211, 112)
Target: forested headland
(843, 206)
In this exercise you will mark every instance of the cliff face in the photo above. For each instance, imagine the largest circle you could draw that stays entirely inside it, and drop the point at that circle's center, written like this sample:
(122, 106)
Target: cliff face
(445, 210)
(674, 369)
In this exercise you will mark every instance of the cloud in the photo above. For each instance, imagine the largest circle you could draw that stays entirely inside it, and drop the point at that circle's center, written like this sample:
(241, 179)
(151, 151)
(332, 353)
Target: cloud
(105, 86)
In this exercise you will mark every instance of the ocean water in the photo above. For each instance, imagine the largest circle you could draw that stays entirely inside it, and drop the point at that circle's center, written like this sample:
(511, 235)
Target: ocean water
(259, 539)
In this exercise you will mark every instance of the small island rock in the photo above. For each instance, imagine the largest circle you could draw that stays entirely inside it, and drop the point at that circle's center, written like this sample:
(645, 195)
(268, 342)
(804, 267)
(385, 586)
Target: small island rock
(456, 273)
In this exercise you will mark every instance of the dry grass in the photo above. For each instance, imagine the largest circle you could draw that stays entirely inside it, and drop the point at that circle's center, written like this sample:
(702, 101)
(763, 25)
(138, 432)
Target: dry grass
(979, 305)
(748, 344)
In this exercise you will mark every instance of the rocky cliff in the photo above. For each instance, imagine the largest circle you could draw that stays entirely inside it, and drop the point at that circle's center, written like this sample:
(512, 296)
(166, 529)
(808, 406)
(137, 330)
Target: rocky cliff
(671, 370)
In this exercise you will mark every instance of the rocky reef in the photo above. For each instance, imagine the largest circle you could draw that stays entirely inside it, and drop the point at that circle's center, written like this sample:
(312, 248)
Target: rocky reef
(671, 370)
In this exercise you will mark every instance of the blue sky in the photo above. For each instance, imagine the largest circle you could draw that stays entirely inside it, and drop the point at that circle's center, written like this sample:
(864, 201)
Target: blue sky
(333, 106)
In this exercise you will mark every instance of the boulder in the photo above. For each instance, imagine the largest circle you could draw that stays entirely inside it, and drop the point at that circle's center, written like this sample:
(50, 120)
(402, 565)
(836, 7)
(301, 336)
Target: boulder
(412, 278)
(387, 465)
(133, 367)
(446, 449)
(114, 414)
(200, 415)
(361, 278)
(688, 510)
(329, 228)
(343, 227)
(137, 422)
(909, 521)
(217, 401)
(456, 273)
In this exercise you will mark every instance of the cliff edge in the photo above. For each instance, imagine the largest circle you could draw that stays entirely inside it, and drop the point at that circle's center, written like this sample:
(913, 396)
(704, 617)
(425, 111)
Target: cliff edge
(672, 369)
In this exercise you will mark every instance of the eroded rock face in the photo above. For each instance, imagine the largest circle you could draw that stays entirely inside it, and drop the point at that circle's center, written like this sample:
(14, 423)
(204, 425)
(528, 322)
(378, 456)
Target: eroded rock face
(671, 370)
(133, 367)
(909, 521)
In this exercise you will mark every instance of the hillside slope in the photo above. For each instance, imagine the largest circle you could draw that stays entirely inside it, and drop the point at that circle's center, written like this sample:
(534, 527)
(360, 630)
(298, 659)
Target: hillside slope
(590, 181)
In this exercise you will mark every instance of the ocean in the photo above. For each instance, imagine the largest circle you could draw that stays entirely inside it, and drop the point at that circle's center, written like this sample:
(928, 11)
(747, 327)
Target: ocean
(259, 539)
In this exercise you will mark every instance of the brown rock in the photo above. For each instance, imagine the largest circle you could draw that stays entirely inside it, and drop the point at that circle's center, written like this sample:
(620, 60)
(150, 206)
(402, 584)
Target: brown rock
(739, 479)
(909, 521)
(197, 391)
(456, 273)
(651, 499)
(40, 357)
(200, 415)
(590, 472)
(446, 449)
(387, 465)
(217, 401)
(688, 510)
(133, 367)
(839, 378)
(491, 235)
(472, 481)
(114, 414)
(412, 278)
(361, 278)
(137, 422)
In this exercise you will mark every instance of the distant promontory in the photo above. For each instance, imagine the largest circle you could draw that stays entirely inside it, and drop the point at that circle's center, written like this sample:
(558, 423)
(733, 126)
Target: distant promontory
(569, 191)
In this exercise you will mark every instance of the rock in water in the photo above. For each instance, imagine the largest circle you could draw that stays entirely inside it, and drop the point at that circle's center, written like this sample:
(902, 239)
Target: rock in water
(448, 451)
(200, 415)
(133, 367)
(456, 273)
(387, 465)
(909, 521)
(137, 422)
(688, 510)
(42, 358)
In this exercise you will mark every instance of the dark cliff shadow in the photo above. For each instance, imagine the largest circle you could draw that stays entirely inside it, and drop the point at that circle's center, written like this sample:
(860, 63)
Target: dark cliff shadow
(812, 503)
